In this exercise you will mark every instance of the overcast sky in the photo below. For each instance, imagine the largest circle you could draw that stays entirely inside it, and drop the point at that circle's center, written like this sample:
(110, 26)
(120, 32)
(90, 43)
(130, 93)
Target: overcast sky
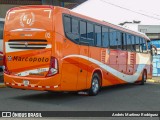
(117, 11)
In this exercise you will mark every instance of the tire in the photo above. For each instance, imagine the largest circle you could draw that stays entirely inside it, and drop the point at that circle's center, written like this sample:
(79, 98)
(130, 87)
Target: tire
(144, 77)
(95, 85)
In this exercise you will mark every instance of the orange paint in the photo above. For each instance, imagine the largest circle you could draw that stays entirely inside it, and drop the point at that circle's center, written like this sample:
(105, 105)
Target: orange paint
(39, 56)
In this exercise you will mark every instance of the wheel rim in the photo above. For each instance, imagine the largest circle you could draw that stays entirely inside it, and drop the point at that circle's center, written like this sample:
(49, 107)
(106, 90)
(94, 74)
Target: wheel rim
(95, 85)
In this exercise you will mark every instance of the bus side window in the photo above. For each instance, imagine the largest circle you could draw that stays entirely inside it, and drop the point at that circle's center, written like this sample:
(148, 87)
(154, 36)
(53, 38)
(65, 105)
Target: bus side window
(83, 33)
(141, 44)
(144, 45)
(105, 37)
(71, 27)
(119, 40)
(90, 33)
(133, 46)
(113, 36)
(129, 42)
(137, 44)
(67, 24)
(75, 30)
(98, 35)
(124, 41)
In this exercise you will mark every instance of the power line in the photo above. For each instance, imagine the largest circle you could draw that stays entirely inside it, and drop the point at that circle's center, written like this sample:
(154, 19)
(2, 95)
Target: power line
(130, 10)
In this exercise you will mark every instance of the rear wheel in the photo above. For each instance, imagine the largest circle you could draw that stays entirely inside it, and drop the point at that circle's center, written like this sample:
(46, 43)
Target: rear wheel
(144, 78)
(95, 85)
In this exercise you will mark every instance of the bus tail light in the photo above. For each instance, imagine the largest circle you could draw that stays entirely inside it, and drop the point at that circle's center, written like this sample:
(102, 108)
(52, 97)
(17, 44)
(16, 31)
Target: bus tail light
(5, 68)
(53, 69)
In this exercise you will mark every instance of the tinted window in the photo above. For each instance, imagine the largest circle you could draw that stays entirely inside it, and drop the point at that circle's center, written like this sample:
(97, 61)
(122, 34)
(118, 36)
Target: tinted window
(105, 37)
(144, 45)
(67, 24)
(141, 44)
(71, 28)
(137, 44)
(119, 40)
(1, 30)
(90, 34)
(83, 30)
(124, 41)
(98, 35)
(113, 37)
(133, 46)
(75, 28)
(129, 42)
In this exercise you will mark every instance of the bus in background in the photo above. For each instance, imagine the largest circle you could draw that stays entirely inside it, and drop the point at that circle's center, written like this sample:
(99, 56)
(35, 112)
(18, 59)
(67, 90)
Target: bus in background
(54, 49)
(1, 42)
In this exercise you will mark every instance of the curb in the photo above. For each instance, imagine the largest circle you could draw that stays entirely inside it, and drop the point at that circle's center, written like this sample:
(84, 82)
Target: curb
(153, 81)
(2, 85)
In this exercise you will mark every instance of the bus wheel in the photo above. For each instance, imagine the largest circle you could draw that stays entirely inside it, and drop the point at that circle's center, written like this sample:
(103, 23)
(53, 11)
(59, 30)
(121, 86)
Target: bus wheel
(95, 85)
(144, 78)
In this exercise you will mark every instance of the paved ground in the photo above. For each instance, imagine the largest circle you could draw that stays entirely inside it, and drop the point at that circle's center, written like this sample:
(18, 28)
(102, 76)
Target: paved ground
(117, 98)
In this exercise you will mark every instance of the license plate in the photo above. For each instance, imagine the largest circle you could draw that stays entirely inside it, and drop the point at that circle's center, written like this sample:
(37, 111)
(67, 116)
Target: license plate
(25, 82)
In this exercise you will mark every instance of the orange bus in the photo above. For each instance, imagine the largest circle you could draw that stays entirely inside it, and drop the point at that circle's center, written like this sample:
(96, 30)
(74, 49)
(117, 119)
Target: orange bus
(54, 49)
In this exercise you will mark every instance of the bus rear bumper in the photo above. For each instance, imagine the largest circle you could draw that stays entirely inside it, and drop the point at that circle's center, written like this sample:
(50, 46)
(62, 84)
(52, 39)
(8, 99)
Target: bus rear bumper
(42, 84)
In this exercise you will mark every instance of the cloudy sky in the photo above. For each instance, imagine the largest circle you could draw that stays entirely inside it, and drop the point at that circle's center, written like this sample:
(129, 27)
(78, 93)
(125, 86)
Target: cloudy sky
(117, 11)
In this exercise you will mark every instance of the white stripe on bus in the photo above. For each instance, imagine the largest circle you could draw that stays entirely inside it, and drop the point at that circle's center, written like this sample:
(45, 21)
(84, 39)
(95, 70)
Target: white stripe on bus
(122, 76)
(35, 71)
(27, 29)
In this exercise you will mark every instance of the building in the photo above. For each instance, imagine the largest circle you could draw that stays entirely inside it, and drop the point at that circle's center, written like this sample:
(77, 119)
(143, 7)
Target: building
(5, 5)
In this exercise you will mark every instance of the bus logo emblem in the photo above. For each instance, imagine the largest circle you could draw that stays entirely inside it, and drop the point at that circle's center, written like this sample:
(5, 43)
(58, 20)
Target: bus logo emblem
(26, 44)
(27, 19)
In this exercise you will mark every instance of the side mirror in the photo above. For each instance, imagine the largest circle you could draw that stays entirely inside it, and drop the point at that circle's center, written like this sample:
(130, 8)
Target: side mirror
(153, 50)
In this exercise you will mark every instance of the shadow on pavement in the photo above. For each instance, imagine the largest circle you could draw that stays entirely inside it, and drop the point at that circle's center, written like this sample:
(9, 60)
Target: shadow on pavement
(57, 97)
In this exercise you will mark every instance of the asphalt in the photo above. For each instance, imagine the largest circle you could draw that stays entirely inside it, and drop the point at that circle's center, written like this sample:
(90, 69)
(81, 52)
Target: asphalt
(131, 97)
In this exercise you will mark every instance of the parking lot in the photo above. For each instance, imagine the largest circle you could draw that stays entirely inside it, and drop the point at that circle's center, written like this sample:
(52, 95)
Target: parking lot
(117, 98)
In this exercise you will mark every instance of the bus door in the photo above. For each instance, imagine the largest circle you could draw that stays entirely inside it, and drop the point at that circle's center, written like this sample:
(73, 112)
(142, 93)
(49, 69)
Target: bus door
(70, 65)
(83, 68)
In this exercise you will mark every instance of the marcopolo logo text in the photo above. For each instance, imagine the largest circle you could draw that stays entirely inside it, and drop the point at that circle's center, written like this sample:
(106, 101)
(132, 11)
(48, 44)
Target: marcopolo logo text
(28, 59)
